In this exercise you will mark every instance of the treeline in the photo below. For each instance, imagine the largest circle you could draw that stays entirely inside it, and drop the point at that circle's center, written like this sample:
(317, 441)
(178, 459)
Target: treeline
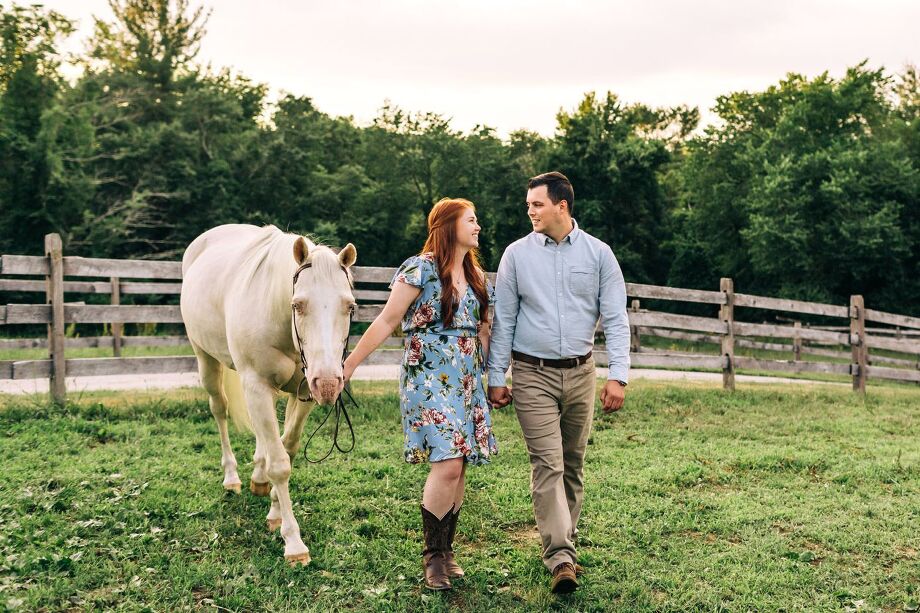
(809, 189)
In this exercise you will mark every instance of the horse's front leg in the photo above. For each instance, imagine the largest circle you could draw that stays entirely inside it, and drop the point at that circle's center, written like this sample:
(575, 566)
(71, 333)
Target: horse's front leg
(295, 415)
(277, 463)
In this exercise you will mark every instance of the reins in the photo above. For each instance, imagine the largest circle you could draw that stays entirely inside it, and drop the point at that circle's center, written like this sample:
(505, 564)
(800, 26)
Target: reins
(339, 406)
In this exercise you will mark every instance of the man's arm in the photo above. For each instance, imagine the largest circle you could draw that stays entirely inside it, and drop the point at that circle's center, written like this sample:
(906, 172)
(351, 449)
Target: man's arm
(504, 320)
(612, 299)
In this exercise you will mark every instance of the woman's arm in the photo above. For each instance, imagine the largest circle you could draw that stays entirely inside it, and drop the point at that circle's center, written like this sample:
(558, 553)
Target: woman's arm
(485, 334)
(401, 298)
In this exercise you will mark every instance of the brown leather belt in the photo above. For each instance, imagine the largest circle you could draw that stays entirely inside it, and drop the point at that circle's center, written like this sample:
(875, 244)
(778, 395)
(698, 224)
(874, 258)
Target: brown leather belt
(564, 363)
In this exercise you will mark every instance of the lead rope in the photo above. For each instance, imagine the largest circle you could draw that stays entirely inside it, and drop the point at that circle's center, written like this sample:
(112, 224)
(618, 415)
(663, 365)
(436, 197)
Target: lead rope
(339, 406)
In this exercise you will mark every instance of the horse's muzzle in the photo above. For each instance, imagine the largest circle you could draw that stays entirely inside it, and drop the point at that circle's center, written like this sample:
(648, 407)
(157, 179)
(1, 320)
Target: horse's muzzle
(325, 390)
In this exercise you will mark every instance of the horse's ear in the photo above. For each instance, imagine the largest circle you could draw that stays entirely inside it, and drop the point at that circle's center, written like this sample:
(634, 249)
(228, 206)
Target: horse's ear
(301, 251)
(348, 255)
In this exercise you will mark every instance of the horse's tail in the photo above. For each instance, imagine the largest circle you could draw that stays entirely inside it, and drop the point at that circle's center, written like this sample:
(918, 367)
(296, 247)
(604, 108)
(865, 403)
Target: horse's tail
(236, 401)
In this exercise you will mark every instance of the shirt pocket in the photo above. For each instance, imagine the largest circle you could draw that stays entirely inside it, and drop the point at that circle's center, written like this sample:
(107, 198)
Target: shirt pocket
(583, 280)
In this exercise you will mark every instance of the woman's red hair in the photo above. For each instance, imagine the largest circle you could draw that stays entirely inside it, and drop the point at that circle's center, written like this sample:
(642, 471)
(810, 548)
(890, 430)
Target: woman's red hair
(442, 242)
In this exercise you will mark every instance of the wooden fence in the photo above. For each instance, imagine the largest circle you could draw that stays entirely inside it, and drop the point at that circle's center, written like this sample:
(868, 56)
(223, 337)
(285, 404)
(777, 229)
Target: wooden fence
(117, 278)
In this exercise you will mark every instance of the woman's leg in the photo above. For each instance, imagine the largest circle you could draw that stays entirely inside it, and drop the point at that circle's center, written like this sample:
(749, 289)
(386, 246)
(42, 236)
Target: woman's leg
(460, 489)
(442, 486)
(437, 504)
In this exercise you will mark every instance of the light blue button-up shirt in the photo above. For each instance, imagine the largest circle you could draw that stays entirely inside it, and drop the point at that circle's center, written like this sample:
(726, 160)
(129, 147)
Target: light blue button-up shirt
(548, 298)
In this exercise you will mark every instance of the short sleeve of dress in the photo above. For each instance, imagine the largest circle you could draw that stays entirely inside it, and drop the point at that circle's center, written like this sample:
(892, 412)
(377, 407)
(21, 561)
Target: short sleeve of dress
(415, 271)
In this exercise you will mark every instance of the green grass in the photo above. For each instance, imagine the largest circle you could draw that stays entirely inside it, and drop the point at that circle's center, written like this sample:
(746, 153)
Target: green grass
(766, 499)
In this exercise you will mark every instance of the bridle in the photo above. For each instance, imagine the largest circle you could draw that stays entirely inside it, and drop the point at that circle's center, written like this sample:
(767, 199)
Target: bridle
(339, 406)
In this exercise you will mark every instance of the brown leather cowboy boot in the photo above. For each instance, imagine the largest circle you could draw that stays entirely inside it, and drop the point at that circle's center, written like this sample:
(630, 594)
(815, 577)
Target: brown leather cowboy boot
(436, 532)
(453, 569)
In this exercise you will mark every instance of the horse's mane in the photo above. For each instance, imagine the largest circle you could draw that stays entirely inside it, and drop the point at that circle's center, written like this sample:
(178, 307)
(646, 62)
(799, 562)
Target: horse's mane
(268, 266)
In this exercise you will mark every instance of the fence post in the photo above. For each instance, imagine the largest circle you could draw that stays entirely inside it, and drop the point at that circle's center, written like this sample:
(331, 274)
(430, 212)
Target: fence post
(727, 314)
(635, 341)
(797, 343)
(116, 328)
(54, 295)
(858, 344)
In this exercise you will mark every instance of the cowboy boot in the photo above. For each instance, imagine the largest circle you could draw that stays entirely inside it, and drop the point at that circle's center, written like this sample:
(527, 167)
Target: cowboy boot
(454, 570)
(436, 531)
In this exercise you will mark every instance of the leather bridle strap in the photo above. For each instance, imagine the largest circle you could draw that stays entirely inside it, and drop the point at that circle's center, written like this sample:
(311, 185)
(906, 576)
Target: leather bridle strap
(339, 406)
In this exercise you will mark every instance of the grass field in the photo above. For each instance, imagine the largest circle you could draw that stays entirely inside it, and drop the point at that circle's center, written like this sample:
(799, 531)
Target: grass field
(771, 498)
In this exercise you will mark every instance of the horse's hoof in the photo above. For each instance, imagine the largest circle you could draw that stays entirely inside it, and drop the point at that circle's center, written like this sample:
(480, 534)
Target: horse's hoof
(236, 488)
(298, 558)
(260, 489)
(273, 524)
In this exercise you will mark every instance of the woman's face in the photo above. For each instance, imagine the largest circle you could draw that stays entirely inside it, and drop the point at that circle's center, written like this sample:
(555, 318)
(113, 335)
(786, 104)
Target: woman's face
(468, 230)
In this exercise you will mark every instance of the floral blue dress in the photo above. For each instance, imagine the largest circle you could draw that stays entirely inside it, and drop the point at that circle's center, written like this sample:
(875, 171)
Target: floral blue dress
(445, 413)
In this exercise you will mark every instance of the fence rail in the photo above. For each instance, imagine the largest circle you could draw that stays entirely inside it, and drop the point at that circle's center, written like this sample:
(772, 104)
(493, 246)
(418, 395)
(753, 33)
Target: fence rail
(148, 277)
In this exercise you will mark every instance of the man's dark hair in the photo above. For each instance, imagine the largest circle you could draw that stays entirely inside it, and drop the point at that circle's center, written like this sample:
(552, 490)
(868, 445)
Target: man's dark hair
(558, 187)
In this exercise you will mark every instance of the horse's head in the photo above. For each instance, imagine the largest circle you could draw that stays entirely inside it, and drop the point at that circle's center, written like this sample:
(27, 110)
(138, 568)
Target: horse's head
(322, 305)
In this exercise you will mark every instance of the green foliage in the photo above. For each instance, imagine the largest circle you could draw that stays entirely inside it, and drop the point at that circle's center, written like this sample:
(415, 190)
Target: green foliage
(808, 189)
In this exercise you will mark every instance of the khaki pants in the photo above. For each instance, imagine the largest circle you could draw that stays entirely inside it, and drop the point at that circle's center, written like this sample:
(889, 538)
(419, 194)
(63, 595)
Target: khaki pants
(555, 407)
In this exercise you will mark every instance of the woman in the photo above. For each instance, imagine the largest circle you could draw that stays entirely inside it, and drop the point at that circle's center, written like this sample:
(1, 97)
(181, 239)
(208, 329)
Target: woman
(442, 297)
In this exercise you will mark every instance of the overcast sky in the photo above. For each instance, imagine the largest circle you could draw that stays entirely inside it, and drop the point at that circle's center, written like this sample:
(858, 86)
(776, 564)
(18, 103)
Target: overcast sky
(513, 64)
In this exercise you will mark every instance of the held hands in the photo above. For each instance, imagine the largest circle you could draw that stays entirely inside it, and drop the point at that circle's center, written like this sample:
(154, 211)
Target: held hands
(612, 396)
(499, 396)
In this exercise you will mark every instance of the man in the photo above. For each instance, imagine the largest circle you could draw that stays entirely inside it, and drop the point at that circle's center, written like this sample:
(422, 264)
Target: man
(552, 287)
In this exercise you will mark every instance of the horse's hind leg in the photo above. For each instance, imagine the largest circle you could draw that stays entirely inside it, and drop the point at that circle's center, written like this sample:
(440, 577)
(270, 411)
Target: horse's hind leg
(211, 372)
(277, 463)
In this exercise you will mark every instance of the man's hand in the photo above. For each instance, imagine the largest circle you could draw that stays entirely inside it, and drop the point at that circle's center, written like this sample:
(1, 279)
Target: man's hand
(499, 396)
(612, 396)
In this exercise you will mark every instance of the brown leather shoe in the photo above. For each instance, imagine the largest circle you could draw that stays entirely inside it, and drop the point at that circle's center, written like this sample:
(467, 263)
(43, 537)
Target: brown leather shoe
(454, 571)
(579, 570)
(564, 580)
(436, 532)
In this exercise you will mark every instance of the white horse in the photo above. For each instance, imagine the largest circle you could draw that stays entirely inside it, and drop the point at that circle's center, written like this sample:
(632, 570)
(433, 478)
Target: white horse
(243, 311)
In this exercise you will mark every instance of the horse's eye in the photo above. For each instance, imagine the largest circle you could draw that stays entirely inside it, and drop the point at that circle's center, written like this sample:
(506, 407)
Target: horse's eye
(299, 306)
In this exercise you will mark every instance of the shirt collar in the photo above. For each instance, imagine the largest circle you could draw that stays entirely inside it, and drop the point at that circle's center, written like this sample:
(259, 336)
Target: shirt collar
(570, 238)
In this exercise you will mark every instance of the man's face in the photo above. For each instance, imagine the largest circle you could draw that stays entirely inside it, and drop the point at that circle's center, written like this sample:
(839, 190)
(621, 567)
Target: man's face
(545, 216)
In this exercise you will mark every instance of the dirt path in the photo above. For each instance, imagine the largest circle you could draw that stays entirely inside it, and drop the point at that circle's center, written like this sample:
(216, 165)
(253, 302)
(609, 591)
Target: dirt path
(364, 373)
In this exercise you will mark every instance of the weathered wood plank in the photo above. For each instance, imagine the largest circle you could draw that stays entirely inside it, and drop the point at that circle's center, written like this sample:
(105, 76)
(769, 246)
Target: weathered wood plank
(714, 362)
(70, 287)
(883, 359)
(2, 314)
(900, 374)
(368, 312)
(373, 274)
(31, 369)
(140, 287)
(385, 357)
(23, 265)
(771, 330)
(684, 322)
(795, 306)
(791, 366)
(391, 341)
(372, 295)
(904, 345)
(641, 290)
(892, 319)
(100, 341)
(132, 269)
(88, 367)
(6, 369)
(101, 313)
